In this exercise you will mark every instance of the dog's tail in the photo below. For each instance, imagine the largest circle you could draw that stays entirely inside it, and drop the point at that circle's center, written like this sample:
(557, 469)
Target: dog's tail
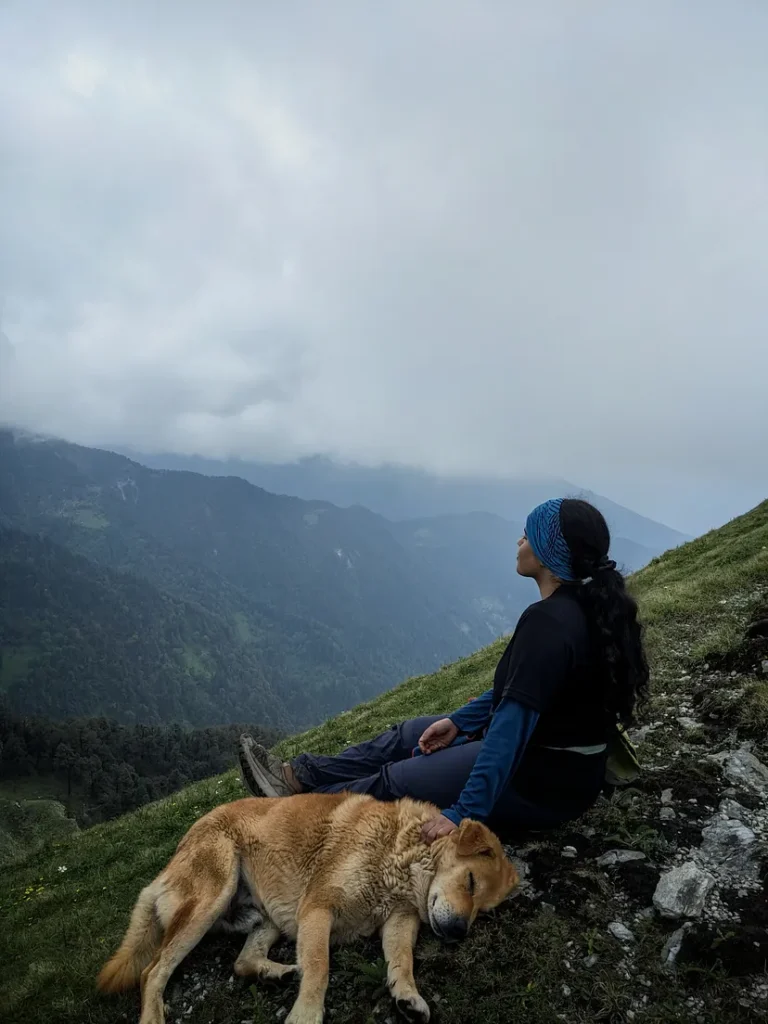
(137, 948)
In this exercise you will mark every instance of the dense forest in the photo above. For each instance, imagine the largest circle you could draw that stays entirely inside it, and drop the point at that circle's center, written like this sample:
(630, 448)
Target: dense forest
(100, 769)
(78, 639)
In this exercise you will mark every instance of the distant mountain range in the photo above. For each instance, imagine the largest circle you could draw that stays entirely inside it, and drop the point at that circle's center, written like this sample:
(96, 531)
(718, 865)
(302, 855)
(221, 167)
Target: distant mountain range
(210, 599)
(400, 493)
(155, 595)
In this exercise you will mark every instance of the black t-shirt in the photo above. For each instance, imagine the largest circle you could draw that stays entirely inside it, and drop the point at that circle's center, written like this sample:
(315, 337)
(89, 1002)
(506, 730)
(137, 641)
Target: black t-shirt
(549, 666)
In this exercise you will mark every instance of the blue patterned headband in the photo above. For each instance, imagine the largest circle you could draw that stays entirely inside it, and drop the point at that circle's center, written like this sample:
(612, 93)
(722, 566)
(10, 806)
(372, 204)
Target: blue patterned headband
(542, 528)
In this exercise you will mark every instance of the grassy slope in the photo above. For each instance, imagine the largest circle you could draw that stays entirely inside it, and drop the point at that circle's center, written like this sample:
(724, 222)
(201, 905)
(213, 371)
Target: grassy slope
(57, 926)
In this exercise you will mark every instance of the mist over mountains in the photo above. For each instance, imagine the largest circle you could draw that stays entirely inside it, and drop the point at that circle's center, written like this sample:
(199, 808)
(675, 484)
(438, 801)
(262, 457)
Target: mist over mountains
(399, 492)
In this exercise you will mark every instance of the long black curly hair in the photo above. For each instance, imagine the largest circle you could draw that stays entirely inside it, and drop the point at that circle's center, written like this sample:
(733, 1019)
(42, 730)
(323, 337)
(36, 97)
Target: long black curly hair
(616, 632)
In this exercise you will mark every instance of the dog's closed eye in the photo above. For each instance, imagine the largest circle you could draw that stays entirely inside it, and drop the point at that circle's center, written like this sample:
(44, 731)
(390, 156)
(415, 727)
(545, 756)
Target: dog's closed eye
(471, 884)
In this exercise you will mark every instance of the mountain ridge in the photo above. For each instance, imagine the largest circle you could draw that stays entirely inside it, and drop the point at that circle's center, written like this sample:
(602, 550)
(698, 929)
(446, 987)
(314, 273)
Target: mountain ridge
(400, 492)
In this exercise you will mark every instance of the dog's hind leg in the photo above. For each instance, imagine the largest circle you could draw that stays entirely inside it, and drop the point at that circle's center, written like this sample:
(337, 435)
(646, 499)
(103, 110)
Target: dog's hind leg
(313, 954)
(215, 881)
(398, 937)
(254, 957)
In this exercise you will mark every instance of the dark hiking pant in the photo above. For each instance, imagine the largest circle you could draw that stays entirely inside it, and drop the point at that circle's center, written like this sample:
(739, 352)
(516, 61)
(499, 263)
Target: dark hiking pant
(385, 768)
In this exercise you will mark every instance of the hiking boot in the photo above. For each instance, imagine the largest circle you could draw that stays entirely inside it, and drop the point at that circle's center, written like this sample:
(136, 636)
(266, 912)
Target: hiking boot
(262, 773)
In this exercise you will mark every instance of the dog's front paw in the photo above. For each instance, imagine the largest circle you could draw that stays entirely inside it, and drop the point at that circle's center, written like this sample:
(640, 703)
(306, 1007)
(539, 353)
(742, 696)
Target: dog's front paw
(302, 1015)
(413, 1008)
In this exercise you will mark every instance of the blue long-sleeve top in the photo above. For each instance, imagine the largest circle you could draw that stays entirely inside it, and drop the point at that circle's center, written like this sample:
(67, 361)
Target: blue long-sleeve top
(509, 729)
(475, 715)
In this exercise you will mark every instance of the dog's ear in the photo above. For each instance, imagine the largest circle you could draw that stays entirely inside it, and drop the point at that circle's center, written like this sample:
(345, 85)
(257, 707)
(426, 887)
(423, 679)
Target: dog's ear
(511, 877)
(473, 840)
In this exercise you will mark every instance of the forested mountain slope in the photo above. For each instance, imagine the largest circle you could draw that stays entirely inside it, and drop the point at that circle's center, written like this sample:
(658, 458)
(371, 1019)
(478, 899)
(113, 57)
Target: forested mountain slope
(326, 605)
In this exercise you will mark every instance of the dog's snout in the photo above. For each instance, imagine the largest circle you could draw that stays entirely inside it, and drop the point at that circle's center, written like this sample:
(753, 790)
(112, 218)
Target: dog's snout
(455, 930)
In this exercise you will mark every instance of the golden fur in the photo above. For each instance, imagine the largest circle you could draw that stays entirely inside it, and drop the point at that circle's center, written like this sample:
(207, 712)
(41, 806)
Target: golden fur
(317, 868)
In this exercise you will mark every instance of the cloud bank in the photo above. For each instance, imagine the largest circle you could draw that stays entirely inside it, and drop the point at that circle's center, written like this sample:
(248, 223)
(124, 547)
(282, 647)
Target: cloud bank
(474, 237)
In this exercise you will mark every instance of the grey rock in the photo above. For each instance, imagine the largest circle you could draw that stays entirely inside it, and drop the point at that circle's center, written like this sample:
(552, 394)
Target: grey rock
(732, 809)
(672, 946)
(666, 797)
(569, 852)
(742, 768)
(667, 813)
(638, 735)
(682, 891)
(607, 860)
(730, 847)
(620, 931)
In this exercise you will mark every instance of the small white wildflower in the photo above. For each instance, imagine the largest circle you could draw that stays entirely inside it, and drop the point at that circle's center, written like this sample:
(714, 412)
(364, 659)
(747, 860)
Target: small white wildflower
(62, 867)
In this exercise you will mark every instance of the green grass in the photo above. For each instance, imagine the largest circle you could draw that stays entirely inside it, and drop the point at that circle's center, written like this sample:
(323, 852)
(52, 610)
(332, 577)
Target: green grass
(695, 597)
(524, 963)
(57, 925)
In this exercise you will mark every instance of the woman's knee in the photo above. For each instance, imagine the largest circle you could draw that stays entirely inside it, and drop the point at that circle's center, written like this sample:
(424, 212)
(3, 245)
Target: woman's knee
(411, 729)
(436, 778)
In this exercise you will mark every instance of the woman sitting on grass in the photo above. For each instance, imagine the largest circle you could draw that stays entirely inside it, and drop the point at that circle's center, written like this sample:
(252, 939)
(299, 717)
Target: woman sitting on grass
(530, 753)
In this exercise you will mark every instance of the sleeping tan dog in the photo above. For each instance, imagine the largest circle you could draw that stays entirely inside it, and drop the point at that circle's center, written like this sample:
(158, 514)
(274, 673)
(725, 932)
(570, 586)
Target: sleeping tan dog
(317, 868)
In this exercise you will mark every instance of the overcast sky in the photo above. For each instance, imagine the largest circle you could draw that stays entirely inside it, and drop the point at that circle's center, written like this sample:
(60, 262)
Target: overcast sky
(495, 237)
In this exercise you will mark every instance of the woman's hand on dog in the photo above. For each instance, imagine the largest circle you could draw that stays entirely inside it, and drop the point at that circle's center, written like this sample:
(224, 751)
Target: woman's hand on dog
(438, 736)
(436, 827)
